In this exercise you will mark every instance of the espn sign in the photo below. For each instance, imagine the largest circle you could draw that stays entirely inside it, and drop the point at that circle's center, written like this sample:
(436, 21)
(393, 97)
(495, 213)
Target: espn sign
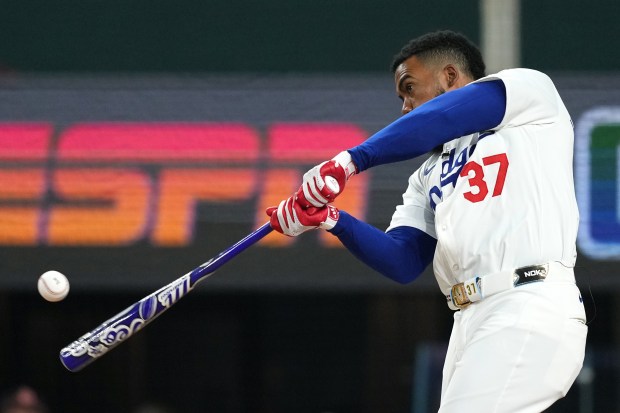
(597, 182)
(115, 184)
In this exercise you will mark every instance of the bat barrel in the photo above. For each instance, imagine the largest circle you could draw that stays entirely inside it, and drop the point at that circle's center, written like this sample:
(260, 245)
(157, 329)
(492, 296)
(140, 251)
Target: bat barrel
(122, 326)
(119, 328)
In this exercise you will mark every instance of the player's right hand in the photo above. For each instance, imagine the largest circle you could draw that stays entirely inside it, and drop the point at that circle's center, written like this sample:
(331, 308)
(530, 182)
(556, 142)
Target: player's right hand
(289, 218)
(323, 183)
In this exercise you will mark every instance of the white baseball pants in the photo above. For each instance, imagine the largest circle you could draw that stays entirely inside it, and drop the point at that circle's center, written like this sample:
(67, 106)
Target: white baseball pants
(517, 351)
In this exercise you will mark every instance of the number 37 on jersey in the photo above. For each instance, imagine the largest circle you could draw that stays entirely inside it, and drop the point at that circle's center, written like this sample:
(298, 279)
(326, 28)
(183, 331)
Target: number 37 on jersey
(485, 177)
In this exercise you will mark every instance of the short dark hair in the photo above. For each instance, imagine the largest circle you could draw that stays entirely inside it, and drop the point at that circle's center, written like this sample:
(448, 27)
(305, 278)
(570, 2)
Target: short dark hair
(444, 45)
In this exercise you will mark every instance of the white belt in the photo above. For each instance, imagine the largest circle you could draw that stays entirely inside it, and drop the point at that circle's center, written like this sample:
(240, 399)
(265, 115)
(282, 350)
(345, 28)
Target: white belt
(477, 288)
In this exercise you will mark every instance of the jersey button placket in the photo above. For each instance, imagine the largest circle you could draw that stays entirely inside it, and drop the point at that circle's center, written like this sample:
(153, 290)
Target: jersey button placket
(448, 240)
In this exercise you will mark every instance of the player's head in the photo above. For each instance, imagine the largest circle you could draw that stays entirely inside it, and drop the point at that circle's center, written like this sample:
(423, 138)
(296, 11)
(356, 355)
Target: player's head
(444, 46)
(434, 63)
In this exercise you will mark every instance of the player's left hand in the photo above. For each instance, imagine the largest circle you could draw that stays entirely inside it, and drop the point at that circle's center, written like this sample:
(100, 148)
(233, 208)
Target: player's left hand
(289, 218)
(323, 183)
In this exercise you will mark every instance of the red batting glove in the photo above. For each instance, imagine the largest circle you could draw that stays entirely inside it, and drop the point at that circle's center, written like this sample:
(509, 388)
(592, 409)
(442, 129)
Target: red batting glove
(289, 218)
(323, 183)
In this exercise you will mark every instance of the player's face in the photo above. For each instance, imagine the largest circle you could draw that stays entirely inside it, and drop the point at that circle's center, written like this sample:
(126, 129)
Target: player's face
(417, 84)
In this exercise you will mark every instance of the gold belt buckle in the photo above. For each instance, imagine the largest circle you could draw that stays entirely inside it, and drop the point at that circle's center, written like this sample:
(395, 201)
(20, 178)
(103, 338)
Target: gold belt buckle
(459, 296)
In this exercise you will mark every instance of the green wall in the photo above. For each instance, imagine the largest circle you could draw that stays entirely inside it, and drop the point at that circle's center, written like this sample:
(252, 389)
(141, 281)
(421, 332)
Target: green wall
(281, 36)
(571, 35)
(218, 35)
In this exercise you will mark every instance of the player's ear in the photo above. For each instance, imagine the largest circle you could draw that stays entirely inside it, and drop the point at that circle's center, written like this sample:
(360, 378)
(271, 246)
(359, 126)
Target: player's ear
(451, 74)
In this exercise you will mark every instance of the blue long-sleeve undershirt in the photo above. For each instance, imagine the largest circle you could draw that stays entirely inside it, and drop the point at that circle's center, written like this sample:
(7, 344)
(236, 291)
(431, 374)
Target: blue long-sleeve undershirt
(400, 254)
(473, 108)
(404, 252)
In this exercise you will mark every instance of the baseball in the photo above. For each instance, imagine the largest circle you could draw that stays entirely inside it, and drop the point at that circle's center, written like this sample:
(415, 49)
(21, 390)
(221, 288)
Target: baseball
(53, 286)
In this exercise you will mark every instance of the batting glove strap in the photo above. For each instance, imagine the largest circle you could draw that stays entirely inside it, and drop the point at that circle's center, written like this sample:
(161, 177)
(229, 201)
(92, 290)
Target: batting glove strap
(289, 218)
(331, 217)
(344, 159)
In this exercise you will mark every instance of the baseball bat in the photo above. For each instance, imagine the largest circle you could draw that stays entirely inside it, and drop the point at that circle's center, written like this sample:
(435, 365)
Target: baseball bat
(119, 328)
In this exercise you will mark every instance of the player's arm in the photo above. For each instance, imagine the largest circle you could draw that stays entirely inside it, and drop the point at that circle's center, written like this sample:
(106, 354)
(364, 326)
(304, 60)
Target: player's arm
(400, 254)
(473, 108)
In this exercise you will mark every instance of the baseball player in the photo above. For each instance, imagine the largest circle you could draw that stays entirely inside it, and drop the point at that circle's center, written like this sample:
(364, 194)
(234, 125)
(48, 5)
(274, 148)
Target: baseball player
(493, 207)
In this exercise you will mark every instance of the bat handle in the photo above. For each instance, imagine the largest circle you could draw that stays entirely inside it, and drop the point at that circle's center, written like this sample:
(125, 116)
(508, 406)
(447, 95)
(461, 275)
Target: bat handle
(229, 253)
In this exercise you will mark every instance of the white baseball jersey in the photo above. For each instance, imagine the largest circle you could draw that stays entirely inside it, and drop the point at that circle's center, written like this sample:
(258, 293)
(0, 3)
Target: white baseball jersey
(504, 198)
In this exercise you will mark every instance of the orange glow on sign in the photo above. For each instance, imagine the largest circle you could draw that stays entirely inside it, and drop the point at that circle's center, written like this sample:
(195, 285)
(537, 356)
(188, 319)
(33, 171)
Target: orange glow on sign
(21, 191)
(22, 187)
(115, 184)
(110, 207)
(181, 189)
(308, 143)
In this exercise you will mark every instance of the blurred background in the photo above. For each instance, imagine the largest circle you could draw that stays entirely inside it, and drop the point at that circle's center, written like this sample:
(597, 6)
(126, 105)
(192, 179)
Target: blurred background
(140, 138)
